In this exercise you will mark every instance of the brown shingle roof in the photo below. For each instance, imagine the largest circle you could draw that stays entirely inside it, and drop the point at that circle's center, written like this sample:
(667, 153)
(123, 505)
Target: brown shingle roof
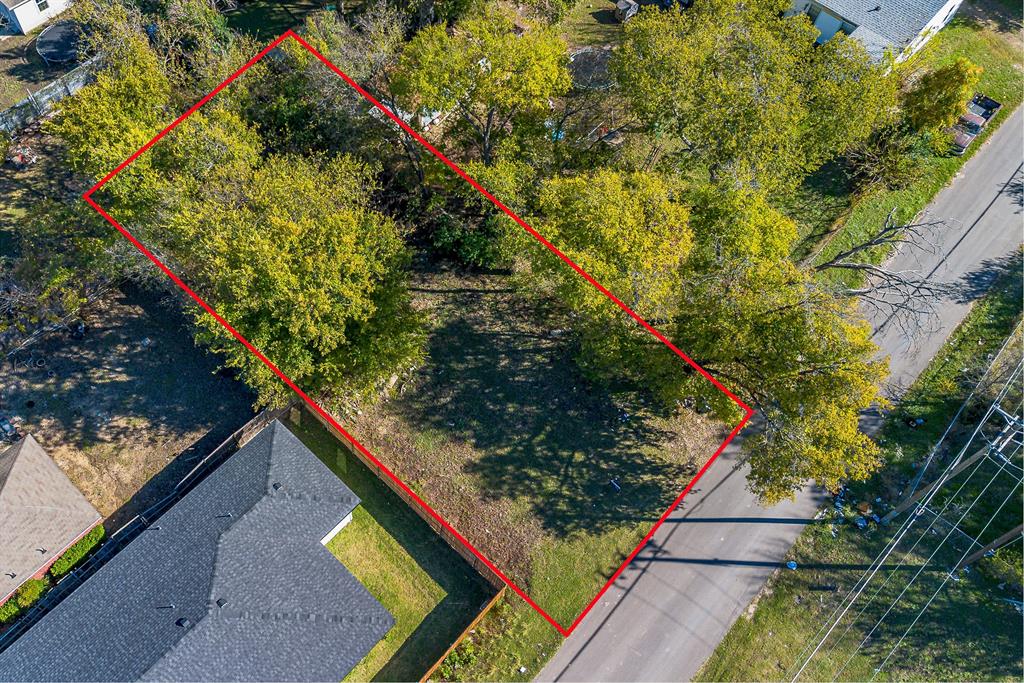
(42, 513)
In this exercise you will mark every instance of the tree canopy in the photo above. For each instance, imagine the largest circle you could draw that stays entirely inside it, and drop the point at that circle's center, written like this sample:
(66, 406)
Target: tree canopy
(712, 272)
(487, 70)
(941, 96)
(744, 91)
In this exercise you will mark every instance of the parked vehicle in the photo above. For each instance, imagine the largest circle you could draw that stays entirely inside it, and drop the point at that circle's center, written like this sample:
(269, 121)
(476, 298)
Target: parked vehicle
(979, 112)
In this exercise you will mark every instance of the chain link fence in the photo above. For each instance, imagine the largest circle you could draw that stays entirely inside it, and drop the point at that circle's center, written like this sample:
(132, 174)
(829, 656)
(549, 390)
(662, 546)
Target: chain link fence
(41, 102)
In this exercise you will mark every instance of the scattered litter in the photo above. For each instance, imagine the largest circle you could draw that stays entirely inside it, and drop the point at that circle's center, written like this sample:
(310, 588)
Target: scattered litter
(832, 528)
(522, 669)
(146, 342)
(876, 519)
(878, 500)
(615, 484)
(1017, 604)
(864, 508)
(861, 523)
(791, 565)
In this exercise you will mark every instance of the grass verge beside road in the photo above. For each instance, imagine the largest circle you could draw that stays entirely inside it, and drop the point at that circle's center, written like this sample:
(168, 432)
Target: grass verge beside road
(971, 632)
(430, 591)
(830, 218)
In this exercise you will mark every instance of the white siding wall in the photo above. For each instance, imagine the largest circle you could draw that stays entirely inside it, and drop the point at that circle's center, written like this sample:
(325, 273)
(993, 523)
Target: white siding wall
(941, 18)
(29, 17)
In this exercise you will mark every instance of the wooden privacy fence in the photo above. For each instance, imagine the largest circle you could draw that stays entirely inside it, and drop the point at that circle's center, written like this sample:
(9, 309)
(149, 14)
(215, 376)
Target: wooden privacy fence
(451, 539)
(465, 632)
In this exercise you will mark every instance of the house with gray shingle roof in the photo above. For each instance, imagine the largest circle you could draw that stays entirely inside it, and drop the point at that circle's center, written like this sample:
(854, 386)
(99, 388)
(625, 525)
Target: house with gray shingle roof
(42, 514)
(900, 27)
(231, 583)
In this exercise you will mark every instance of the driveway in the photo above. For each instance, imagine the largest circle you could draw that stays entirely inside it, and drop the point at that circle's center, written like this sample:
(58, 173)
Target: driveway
(679, 597)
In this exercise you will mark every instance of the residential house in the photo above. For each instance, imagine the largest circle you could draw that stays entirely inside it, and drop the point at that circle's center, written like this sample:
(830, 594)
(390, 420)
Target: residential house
(24, 15)
(900, 27)
(42, 514)
(231, 583)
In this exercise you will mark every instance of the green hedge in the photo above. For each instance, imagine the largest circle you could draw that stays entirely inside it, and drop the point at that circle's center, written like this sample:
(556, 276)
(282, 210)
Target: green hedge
(23, 598)
(75, 553)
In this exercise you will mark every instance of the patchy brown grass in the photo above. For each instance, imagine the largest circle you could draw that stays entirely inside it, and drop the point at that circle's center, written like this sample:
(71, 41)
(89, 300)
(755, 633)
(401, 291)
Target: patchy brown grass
(117, 407)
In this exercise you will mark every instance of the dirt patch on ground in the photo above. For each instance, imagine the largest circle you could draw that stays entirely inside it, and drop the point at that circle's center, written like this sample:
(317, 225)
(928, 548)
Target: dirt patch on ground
(500, 432)
(119, 405)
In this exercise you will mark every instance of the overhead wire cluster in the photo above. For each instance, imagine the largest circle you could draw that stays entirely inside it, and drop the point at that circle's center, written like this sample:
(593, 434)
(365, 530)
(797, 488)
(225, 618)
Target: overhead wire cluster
(959, 506)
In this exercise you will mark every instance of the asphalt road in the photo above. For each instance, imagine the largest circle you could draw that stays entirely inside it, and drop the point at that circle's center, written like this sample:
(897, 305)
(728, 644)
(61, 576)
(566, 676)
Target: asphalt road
(677, 600)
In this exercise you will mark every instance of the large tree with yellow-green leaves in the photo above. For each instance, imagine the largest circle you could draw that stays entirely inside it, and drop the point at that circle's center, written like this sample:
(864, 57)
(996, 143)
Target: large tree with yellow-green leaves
(487, 70)
(710, 269)
(744, 94)
(288, 249)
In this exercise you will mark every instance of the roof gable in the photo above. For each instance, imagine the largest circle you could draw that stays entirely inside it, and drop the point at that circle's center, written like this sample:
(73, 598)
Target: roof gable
(42, 512)
(231, 583)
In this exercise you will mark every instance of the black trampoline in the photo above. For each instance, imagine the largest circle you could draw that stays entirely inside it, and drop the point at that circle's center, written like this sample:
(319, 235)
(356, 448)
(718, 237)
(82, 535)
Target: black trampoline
(58, 44)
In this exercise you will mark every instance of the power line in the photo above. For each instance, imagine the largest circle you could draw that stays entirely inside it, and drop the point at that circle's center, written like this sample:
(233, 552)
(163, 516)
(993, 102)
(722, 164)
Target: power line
(949, 575)
(921, 569)
(844, 607)
(928, 461)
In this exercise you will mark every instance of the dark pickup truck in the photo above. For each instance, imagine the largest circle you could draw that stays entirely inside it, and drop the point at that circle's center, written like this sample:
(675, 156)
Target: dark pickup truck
(979, 112)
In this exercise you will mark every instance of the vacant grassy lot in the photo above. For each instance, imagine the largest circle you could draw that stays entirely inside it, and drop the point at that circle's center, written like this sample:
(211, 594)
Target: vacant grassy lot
(502, 435)
(989, 36)
(970, 631)
(121, 404)
(22, 70)
(431, 592)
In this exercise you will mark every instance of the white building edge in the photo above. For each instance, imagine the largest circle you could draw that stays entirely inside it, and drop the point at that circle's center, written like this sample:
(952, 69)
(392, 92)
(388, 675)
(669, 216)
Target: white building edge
(900, 27)
(24, 15)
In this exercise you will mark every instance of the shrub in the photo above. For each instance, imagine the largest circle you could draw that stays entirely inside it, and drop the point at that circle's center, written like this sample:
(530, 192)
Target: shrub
(887, 159)
(8, 611)
(462, 657)
(30, 591)
(75, 553)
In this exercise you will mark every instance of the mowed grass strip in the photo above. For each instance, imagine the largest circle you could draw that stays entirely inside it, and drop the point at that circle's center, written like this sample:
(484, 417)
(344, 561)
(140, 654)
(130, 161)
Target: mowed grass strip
(432, 593)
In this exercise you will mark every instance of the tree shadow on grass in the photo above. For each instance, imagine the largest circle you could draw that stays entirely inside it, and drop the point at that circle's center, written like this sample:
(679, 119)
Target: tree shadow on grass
(576, 454)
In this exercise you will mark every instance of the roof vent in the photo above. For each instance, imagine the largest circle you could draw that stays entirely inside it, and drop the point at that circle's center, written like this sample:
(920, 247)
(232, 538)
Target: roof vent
(225, 515)
(41, 550)
(277, 485)
(184, 622)
(221, 602)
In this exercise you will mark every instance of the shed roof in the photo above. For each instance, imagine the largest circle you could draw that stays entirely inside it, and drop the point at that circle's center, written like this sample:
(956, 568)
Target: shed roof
(231, 583)
(42, 513)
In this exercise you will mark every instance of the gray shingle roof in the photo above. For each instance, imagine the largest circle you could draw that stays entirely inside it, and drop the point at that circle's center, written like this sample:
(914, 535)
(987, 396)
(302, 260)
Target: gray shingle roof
(895, 23)
(41, 513)
(231, 583)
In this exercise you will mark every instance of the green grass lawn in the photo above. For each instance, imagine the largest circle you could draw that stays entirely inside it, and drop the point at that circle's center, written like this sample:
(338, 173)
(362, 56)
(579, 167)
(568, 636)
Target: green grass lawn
(970, 632)
(999, 53)
(266, 19)
(591, 23)
(431, 592)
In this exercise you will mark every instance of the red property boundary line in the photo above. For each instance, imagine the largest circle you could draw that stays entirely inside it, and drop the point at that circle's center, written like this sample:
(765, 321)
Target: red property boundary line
(748, 412)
